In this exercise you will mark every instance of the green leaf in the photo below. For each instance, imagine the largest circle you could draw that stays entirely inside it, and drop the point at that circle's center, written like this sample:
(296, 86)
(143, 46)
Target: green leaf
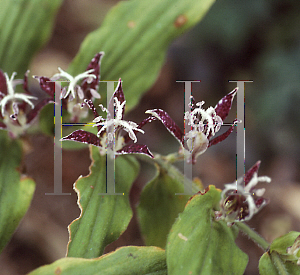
(15, 193)
(273, 263)
(159, 207)
(25, 27)
(266, 266)
(197, 244)
(103, 218)
(278, 259)
(282, 243)
(130, 260)
(135, 36)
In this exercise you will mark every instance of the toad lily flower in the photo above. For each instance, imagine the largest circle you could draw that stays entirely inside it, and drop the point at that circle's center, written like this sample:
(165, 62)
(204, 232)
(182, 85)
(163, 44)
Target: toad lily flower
(111, 129)
(241, 200)
(74, 94)
(204, 124)
(9, 97)
(14, 114)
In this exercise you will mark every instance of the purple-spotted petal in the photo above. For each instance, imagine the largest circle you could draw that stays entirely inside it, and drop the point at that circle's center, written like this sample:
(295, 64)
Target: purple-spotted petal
(140, 125)
(47, 85)
(25, 82)
(23, 105)
(224, 105)
(145, 121)
(168, 122)
(83, 137)
(193, 103)
(251, 171)
(92, 107)
(2, 125)
(119, 95)
(94, 64)
(222, 137)
(260, 202)
(3, 85)
(135, 149)
(34, 112)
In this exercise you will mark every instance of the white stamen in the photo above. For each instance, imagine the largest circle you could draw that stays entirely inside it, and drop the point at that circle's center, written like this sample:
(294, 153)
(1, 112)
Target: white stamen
(199, 118)
(128, 126)
(94, 93)
(80, 92)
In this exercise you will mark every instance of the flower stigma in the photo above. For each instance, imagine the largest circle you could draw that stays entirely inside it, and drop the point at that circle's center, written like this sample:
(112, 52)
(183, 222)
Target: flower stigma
(13, 97)
(73, 86)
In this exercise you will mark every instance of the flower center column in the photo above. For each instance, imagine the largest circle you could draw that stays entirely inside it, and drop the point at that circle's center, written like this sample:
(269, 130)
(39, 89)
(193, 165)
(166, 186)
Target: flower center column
(57, 142)
(110, 142)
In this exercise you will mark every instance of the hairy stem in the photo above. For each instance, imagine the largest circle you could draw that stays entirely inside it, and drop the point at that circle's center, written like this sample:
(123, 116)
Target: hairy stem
(278, 263)
(254, 236)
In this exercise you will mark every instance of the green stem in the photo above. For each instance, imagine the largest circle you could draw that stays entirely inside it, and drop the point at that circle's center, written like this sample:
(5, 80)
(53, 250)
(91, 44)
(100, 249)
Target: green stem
(173, 157)
(172, 171)
(278, 263)
(253, 235)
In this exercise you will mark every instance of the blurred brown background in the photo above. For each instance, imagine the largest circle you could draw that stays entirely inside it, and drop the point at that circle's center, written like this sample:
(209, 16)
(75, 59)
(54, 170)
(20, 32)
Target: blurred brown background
(237, 40)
